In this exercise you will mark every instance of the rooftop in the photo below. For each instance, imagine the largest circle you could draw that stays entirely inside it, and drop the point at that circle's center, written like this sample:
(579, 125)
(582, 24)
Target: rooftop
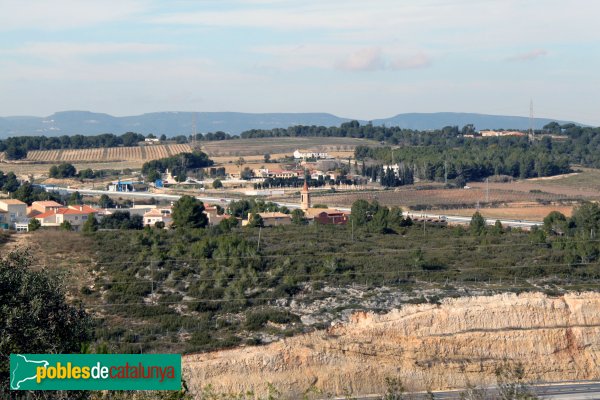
(11, 201)
(273, 215)
(48, 203)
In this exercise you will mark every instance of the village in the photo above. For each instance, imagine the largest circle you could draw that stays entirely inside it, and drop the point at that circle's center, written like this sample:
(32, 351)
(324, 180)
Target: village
(17, 215)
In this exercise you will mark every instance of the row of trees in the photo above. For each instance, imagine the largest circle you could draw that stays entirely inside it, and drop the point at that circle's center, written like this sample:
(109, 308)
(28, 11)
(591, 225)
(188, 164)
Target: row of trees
(178, 165)
(473, 160)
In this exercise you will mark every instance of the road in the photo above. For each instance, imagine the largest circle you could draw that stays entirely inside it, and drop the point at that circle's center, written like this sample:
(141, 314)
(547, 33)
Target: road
(222, 200)
(561, 390)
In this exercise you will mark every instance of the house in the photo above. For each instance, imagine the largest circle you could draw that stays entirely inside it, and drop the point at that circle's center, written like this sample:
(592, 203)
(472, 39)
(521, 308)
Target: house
(271, 219)
(152, 141)
(15, 212)
(158, 215)
(501, 133)
(309, 154)
(327, 216)
(76, 215)
(40, 207)
(214, 218)
(3, 219)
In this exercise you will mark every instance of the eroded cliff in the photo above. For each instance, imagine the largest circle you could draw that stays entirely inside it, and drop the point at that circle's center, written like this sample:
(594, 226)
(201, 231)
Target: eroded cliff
(428, 346)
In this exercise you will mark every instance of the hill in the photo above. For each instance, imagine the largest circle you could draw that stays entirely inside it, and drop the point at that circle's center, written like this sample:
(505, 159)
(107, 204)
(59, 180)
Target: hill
(176, 123)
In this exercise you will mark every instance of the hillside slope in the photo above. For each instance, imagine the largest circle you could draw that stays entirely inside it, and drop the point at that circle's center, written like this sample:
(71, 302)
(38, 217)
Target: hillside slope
(181, 123)
(427, 346)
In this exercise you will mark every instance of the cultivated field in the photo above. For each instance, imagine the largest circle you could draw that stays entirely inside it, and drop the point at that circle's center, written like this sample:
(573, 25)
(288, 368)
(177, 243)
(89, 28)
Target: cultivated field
(438, 198)
(282, 145)
(137, 153)
(513, 211)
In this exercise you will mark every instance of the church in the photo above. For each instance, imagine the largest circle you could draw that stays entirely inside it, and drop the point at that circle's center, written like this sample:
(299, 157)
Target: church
(326, 216)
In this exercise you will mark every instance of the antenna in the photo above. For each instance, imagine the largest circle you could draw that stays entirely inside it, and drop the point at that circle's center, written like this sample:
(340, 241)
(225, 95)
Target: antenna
(531, 131)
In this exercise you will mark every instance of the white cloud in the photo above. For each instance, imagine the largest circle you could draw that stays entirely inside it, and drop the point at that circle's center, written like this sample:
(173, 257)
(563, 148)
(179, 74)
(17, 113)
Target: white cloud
(367, 59)
(528, 56)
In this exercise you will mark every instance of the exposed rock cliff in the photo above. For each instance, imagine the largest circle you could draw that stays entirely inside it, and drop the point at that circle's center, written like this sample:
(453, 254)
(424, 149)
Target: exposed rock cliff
(427, 346)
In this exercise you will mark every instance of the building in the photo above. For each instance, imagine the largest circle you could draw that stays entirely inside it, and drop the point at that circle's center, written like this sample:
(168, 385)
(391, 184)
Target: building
(214, 218)
(305, 197)
(75, 215)
(152, 140)
(267, 173)
(40, 207)
(309, 154)
(501, 133)
(271, 219)
(327, 216)
(158, 215)
(394, 167)
(15, 212)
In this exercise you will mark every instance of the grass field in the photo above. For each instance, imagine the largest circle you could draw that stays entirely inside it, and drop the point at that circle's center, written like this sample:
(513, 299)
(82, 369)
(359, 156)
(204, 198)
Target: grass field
(282, 146)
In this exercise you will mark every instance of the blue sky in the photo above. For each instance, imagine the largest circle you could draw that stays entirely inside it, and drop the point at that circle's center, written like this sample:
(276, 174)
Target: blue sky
(354, 58)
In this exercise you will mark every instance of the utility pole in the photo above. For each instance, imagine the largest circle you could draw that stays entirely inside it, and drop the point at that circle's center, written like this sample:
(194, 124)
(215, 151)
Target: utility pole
(445, 172)
(259, 232)
(487, 190)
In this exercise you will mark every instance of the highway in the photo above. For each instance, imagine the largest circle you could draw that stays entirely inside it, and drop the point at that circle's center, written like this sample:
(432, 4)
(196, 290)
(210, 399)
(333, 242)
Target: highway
(451, 219)
(561, 390)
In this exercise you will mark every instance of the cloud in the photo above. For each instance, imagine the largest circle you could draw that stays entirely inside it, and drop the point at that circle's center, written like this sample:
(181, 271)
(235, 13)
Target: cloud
(528, 56)
(367, 59)
(373, 58)
(414, 61)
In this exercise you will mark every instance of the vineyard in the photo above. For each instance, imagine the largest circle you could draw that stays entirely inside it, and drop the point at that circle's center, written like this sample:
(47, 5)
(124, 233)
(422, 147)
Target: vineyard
(109, 154)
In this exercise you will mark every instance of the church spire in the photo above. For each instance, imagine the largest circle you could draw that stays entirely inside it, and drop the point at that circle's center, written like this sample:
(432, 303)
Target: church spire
(305, 197)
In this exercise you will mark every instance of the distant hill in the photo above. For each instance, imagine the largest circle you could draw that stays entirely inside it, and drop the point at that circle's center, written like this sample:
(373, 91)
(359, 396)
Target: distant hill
(177, 123)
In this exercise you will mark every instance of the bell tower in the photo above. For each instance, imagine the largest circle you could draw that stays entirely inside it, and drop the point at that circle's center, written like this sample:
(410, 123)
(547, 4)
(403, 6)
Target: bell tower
(305, 197)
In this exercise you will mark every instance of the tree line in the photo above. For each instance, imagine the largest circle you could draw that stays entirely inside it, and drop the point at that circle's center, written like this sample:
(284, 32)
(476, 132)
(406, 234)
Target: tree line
(177, 165)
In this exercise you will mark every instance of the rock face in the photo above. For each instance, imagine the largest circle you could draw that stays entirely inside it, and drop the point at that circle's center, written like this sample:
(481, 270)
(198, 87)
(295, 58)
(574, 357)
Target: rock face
(428, 346)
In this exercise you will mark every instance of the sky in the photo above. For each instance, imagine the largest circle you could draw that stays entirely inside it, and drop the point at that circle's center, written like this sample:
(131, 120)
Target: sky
(353, 58)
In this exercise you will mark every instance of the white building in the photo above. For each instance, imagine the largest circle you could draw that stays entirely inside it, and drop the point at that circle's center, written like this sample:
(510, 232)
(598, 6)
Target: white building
(309, 154)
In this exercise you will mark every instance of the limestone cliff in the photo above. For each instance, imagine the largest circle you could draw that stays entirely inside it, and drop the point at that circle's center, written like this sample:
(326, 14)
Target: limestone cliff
(427, 346)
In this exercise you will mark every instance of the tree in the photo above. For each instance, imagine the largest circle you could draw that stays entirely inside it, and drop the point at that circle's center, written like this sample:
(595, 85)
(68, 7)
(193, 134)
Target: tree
(298, 217)
(75, 199)
(188, 212)
(34, 224)
(477, 224)
(360, 212)
(64, 170)
(35, 316)
(256, 221)
(15, 152)
(240, 163)
(66, 226)
(106, 202)
(267, 158)
(163, 137)
(555, 223)
(91, 225)
(11, 183)
(217, 184)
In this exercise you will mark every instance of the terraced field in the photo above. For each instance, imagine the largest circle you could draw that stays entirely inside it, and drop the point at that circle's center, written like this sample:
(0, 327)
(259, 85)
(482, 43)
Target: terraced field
(108, 154)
